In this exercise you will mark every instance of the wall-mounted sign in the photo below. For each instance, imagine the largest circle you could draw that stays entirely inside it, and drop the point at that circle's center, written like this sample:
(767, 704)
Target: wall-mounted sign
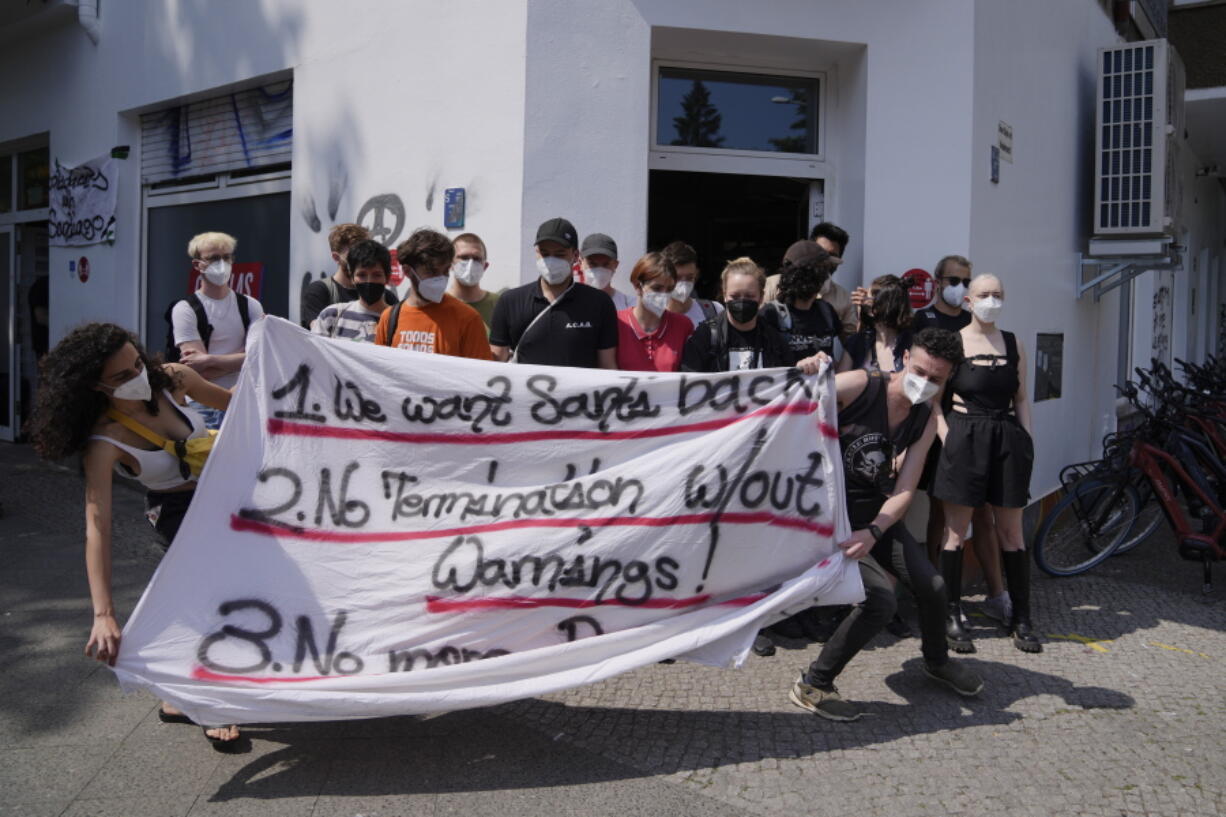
(247, 278)
(453, 208)
(1004, 140)
(83, 269)
(920, 287)
(995, 167)
(1048, 366)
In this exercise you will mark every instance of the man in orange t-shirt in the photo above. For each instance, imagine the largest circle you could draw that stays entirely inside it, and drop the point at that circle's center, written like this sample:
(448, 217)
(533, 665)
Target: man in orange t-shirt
(428, 319)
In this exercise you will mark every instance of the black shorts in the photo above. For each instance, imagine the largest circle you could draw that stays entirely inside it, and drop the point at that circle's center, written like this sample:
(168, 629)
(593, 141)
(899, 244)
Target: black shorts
(984, 459)
(165, 511)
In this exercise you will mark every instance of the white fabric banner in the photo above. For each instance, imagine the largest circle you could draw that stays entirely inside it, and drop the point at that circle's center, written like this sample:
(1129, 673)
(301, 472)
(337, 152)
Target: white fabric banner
(381, 532)
(82, 206)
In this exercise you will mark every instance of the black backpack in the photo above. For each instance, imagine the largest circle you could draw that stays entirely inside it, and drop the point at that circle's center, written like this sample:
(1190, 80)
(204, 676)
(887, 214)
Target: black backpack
(202, 323)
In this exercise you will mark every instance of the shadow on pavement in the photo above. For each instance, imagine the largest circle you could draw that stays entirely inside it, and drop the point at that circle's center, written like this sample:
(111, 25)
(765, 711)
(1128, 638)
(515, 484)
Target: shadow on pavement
(482, 750)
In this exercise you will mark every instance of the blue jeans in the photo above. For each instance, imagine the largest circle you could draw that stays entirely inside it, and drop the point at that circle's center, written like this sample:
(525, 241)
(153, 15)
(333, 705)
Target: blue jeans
(212, 417)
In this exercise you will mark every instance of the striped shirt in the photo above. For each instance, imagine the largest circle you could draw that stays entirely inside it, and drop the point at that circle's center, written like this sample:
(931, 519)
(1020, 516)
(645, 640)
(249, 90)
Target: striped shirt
(350, 320)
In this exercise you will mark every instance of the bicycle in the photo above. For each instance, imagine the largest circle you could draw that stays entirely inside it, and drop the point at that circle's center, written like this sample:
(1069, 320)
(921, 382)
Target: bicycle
(1106, 500)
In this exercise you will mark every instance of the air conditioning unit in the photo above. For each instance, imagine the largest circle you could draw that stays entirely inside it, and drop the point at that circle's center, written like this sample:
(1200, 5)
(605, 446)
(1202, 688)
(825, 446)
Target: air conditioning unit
(1140, 127)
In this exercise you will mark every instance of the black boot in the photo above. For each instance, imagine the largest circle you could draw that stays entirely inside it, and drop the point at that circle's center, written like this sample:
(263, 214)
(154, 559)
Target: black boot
(951, 571)
(1017, 579)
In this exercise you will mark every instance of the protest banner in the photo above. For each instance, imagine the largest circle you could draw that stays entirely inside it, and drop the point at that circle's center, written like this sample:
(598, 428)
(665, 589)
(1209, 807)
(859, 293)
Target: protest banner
(82, 206)
(382, 532)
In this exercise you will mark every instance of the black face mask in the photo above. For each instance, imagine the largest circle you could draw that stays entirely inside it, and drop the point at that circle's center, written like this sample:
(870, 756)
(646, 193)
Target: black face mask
(370, 292)
(742, 310)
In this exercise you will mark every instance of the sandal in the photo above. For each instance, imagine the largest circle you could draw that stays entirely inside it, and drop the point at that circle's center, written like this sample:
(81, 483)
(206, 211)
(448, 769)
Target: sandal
(178, 717)
(226, 746)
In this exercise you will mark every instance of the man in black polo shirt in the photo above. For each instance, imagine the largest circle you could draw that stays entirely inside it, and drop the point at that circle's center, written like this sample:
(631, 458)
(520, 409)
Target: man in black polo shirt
(552, 321)
(953, 274)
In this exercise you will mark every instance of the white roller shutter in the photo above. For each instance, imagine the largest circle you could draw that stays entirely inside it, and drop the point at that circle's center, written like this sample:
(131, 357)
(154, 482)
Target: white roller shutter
(238, 131)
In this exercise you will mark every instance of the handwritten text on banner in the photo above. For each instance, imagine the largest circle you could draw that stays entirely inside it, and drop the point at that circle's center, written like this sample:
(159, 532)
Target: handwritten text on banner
(380, 532)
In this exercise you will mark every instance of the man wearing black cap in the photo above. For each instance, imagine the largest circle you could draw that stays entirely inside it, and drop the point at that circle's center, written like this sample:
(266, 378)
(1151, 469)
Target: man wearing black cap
(599, 254)
(550, 321)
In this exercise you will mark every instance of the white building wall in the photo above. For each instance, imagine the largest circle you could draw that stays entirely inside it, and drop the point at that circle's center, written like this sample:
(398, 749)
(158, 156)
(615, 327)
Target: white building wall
(901, 94)
(389, 96)
(1035, 67)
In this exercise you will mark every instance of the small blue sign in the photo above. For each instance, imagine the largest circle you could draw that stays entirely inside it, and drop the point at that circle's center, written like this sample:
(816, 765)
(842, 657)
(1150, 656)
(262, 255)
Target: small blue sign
(995, 164)
(453, 208)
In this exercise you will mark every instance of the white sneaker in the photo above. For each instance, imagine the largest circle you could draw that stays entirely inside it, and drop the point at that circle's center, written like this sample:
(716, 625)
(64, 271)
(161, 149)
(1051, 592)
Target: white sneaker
(999, 608)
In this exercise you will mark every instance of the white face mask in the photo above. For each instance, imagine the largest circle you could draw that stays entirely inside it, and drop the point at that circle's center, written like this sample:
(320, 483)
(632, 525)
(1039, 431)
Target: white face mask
(599, 277)
(953, 295)
(682, 291)
(918, 389)
(218, 272)
(655, 302)
(137, 388)
(553, 270)
(431, 289)
(987, 309)
(469, 271)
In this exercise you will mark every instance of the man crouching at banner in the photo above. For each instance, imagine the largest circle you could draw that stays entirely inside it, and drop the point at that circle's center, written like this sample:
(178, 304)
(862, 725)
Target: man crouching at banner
(882, 418)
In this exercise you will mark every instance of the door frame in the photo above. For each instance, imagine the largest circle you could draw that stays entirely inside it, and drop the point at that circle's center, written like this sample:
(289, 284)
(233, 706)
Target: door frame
(222, 188)
(9, 432)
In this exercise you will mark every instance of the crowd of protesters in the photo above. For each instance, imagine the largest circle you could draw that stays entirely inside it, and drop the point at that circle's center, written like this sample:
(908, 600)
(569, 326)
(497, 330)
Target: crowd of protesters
(931, 400)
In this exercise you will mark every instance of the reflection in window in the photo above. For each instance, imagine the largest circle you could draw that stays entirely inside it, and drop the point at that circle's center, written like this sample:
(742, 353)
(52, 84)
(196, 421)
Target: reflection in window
(720, 109)
(6, 184)
(33, 178)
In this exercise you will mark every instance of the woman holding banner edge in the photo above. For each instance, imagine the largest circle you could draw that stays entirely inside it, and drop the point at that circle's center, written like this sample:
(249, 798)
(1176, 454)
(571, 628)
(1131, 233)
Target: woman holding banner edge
(102, 397)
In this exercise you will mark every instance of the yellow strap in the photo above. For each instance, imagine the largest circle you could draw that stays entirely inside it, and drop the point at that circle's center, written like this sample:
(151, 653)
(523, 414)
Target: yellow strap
(140, 429)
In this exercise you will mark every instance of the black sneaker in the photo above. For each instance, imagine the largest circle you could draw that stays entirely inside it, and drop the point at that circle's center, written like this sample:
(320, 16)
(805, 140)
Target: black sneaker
(1023, 636)
(825, 703)
(955, 676)
(763, 646)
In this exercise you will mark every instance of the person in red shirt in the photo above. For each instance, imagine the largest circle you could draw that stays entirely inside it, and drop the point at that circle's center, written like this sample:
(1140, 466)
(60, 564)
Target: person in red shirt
(649, 337)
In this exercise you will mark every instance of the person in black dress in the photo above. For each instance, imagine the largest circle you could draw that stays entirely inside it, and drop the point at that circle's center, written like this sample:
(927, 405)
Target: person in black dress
(987, 457)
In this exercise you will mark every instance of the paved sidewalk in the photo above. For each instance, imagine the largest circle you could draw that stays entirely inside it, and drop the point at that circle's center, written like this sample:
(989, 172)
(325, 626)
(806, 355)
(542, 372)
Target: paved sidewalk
(1123, 714)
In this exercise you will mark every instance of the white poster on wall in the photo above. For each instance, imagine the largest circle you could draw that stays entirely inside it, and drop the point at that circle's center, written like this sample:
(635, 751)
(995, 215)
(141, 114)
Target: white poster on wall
(382, 532)
(82, 206)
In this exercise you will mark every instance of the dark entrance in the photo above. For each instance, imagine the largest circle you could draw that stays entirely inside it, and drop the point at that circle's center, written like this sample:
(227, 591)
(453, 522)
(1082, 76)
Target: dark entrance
(724, 216)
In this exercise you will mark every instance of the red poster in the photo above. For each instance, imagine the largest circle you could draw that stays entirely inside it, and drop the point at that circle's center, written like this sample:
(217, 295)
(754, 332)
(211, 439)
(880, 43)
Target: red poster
(921, 287)
(247, 278)
(397, 274)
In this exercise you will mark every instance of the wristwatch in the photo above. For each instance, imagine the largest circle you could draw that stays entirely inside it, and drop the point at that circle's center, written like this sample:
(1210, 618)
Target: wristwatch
(876, 532)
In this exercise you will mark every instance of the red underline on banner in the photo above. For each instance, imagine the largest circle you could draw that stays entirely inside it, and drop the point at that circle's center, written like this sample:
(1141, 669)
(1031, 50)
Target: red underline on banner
(286, 428)
(202, 674)
(264, 528)
(434, 604)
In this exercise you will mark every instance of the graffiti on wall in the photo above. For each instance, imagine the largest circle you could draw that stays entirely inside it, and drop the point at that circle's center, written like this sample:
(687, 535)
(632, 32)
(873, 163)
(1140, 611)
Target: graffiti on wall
(244, 129)
(1162, 324)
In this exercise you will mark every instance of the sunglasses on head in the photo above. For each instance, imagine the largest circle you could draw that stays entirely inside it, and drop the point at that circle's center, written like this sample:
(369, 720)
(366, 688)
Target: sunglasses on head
(952, 281)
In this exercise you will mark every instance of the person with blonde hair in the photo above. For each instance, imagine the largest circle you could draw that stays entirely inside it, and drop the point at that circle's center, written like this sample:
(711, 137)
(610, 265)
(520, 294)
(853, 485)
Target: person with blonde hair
(737, 339)
(209, 327)
(986, 458)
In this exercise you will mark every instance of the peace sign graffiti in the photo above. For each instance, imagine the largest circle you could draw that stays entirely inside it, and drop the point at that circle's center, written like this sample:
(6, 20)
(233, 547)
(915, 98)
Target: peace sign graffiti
(373, 217)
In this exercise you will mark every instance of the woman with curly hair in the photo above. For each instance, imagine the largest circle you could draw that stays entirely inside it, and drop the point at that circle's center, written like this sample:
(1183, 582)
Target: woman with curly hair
(96, 387)
(810, 324)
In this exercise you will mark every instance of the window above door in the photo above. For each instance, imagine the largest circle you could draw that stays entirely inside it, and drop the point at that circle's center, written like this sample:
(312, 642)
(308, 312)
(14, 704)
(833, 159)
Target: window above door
(700, 109)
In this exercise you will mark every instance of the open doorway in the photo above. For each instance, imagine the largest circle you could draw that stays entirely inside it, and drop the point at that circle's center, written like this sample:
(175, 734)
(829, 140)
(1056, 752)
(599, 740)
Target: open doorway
(727, 215)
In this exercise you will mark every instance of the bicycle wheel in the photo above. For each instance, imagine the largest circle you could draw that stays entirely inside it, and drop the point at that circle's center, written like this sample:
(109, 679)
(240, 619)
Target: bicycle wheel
(1149, 517)
(1085, 527)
